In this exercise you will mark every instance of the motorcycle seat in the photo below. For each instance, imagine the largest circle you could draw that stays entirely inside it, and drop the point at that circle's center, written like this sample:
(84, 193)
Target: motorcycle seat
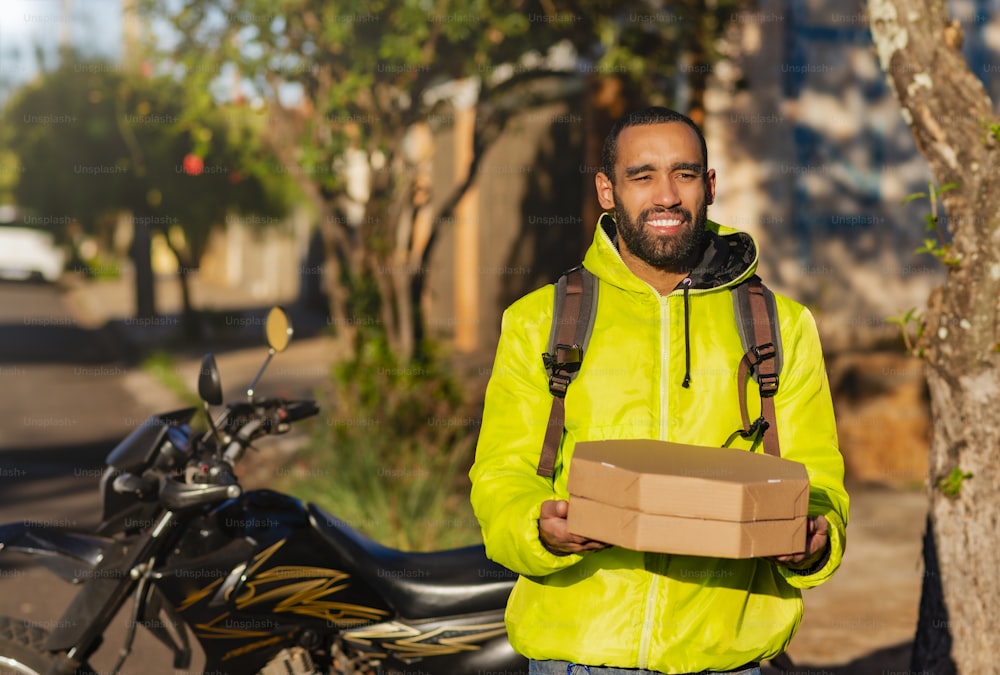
(420, 585)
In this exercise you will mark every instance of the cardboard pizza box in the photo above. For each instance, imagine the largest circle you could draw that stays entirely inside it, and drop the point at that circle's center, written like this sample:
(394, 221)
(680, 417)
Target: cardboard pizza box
(685, 499)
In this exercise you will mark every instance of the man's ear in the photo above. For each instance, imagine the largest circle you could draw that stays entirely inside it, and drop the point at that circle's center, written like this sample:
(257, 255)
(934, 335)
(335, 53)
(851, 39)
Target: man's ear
(605, 191)
(709, 187)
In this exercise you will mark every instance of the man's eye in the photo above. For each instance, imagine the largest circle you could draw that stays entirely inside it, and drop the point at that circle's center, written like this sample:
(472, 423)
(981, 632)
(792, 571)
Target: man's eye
(687, 176)
(641, 177)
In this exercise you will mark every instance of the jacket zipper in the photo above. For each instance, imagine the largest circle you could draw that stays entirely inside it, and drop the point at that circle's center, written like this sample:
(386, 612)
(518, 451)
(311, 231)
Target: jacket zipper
(664, 364)
(647, 621)
(649, 615)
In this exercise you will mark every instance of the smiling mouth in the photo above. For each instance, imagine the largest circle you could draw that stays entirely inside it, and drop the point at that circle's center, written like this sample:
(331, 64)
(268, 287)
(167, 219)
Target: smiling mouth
(664, 221)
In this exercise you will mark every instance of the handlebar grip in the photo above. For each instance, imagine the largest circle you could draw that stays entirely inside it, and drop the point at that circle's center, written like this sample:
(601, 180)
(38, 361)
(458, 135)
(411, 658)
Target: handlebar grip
(300, 410)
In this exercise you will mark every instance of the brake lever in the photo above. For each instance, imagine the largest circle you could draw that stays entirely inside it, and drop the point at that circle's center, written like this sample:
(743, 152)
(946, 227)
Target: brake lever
(130, 484)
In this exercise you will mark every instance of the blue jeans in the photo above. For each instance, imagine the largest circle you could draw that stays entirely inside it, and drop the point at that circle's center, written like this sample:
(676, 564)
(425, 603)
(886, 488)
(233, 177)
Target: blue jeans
(566, 668)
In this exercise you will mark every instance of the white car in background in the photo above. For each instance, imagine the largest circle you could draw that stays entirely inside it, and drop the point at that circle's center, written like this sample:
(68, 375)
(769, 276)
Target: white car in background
(27, 252)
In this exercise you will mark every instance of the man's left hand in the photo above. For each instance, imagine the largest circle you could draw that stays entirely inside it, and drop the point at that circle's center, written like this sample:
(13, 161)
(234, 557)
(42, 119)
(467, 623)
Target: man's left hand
(817, 538)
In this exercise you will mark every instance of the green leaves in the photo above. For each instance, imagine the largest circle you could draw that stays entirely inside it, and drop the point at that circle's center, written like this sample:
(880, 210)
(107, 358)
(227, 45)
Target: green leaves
(994, 131)
(397, 442)
(355, 76)
(126, 141)
(912, 316)
(951, 485)
(937, 246)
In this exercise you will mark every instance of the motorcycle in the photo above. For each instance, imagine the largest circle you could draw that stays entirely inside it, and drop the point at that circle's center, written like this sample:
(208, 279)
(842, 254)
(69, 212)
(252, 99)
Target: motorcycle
(265, 583)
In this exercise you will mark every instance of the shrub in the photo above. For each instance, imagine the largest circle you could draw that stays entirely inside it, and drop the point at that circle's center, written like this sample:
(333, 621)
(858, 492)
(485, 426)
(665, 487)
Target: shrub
(391, 451)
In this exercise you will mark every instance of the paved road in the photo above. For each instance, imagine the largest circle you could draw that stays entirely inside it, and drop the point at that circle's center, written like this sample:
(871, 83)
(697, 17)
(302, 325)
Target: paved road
(63, 407)
(65, 400)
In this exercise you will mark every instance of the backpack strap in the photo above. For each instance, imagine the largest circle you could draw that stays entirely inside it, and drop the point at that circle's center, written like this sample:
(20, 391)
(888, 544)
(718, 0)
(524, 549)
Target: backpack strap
(757, 320)
(573, 313)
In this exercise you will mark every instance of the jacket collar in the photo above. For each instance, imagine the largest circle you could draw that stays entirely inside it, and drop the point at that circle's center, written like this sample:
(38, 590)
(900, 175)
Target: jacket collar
(730, 258)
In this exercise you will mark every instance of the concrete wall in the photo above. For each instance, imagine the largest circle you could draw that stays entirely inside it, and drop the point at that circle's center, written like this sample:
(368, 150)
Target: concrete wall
(529, 223)
(264, 256)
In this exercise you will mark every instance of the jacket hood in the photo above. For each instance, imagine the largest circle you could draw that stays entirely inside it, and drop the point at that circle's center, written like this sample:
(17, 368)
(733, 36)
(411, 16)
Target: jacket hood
(730, 257)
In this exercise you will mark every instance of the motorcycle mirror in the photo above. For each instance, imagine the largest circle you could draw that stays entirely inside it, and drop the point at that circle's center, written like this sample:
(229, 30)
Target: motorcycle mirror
(209, 381)
(278, 329)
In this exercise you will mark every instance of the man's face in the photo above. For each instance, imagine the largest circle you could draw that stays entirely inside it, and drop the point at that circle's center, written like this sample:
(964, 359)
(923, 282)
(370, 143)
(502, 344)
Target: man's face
(660, 195)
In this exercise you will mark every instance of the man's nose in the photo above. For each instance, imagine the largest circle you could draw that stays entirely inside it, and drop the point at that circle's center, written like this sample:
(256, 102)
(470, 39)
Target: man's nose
(666, 193)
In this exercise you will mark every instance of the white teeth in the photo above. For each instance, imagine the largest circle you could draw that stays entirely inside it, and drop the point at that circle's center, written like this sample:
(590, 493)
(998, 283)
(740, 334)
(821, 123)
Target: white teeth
(665, 223)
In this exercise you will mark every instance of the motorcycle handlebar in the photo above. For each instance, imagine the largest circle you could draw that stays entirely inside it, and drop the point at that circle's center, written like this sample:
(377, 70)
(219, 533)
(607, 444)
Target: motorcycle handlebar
(272, 416)
(267, 414)
(299, 410)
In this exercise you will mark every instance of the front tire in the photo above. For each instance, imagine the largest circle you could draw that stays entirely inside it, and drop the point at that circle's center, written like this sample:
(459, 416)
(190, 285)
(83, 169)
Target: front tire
(22, 648)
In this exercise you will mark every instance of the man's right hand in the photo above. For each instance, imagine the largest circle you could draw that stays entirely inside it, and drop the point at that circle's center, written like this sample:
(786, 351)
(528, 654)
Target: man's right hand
(555, 535)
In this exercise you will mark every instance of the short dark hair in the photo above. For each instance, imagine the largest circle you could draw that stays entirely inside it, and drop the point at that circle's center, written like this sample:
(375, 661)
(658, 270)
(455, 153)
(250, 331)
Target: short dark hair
(643, 116)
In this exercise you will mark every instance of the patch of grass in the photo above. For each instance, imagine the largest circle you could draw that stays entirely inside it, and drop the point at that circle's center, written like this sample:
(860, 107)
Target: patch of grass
(390, 452)
(101, 268)
(407, 497)
(163, 366)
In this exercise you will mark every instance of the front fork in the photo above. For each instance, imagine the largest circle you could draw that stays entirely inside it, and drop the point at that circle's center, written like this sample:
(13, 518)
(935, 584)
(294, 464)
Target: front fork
(124, 569)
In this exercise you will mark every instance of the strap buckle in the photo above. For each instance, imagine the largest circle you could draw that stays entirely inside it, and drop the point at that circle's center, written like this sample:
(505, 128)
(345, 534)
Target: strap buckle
(762, 353)
(562, 367)
(567, 358)
(760, 424)
(558, 383)
(768, 384)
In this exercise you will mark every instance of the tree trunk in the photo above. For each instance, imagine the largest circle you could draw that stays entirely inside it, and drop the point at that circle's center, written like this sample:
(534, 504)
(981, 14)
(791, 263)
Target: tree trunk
(604, 101)
(701, 63)
(280, 138)
(190, 319)
(142, 265)
(384, 256)
(336, 291)
(384, 268)
(950, 115)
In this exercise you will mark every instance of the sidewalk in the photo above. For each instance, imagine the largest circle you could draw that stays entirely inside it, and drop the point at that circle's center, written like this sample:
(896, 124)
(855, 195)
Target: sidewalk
(234, 334)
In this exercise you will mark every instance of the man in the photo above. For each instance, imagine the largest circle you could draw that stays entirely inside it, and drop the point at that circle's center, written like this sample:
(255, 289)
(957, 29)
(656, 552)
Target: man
(661, 364)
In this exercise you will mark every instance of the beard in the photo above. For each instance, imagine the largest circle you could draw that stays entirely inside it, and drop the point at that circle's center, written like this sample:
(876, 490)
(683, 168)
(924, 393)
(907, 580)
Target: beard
(677, 253)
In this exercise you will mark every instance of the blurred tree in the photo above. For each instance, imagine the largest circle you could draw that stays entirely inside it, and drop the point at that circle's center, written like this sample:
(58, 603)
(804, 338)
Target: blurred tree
(348, 89)
(956, 128)
(93, 140)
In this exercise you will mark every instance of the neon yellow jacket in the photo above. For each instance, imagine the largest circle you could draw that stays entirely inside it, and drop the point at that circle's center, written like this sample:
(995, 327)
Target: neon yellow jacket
(624, 608)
